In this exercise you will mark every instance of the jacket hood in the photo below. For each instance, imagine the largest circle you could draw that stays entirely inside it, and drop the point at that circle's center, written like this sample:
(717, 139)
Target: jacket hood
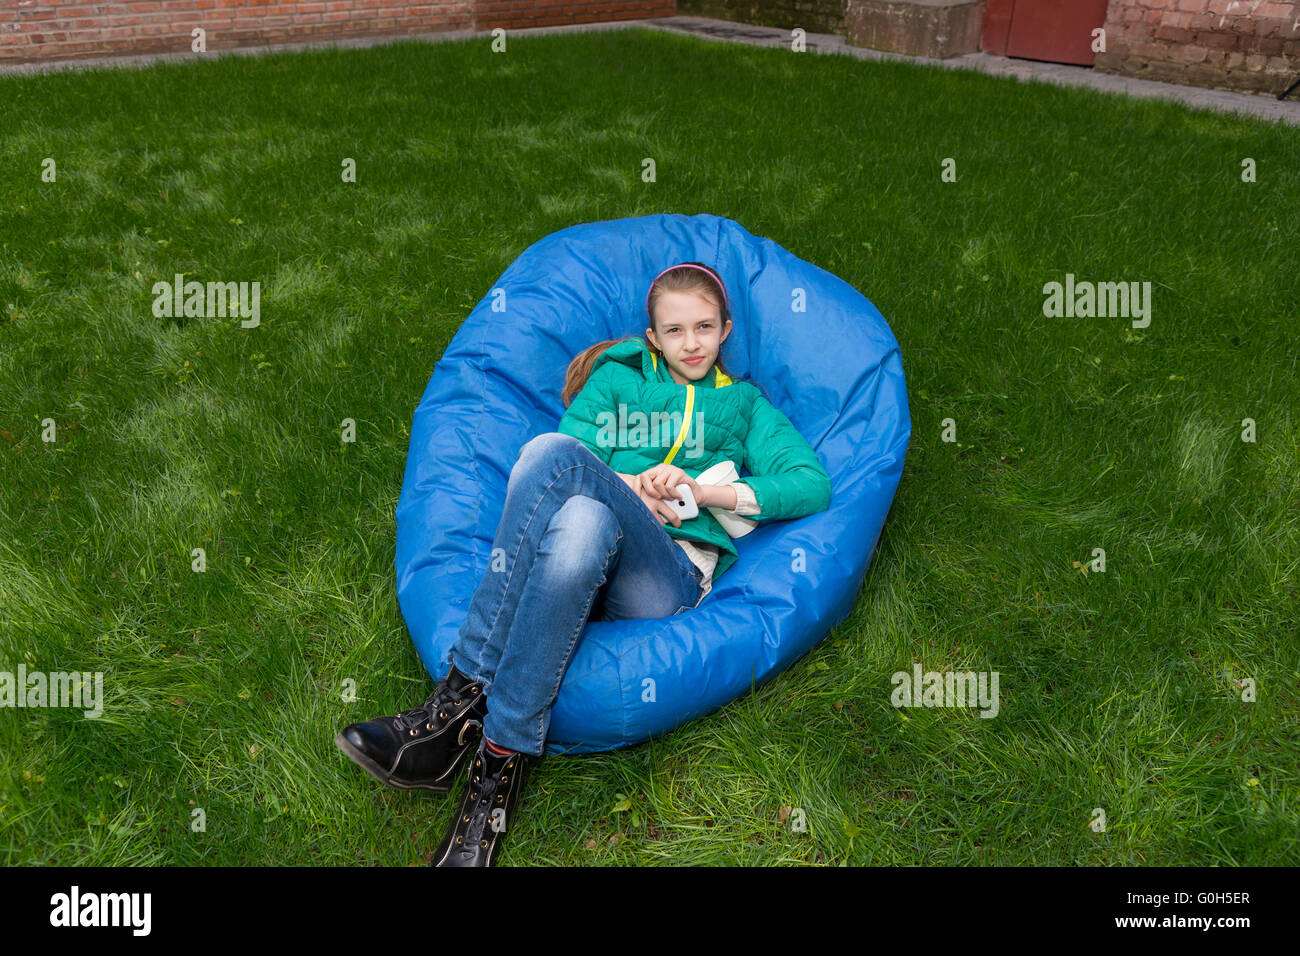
(631, 352)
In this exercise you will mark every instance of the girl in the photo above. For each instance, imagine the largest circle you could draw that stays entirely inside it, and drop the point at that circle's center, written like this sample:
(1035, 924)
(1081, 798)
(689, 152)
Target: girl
(587, 531)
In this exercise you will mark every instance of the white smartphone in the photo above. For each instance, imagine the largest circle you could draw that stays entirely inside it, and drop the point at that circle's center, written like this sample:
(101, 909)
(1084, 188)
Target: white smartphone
(684, 505)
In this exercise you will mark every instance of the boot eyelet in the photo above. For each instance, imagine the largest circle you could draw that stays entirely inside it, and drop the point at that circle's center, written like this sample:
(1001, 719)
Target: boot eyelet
(466, 819)
(476, 779)
(458, 840)
(483, 844)
(442, 715)
(428, 726)
(413, 731)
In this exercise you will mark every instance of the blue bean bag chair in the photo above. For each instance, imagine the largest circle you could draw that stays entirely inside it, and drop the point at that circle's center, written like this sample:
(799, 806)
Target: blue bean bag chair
(825, 357)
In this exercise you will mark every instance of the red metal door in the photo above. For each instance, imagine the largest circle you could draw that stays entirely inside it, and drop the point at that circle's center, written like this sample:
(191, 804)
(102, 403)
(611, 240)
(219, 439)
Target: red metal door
(1059, 31)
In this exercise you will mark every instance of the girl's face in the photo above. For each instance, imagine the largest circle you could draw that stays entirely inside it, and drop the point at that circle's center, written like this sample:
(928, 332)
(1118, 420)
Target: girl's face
(689, 328)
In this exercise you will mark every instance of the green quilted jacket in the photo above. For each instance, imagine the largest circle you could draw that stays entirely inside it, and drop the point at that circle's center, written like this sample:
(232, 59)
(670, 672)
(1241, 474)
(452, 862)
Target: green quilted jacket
(632, 415)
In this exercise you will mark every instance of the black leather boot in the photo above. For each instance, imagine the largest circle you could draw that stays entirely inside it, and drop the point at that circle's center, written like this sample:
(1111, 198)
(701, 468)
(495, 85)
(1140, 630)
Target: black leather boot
(420, 749)
(487, 809)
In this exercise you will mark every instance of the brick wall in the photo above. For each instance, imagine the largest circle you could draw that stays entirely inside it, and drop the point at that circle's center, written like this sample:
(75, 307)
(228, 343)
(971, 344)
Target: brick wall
(39, 30)
(1251, 45)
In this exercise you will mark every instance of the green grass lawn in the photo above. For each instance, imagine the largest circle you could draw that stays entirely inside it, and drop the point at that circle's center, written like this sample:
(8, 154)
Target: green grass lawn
(224, 689)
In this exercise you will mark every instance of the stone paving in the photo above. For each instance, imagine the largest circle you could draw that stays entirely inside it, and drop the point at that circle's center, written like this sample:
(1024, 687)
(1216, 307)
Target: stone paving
(1253, 104)
(1261, 106)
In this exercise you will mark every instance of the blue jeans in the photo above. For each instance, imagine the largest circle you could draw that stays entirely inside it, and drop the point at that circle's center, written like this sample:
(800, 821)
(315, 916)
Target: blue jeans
(571, 531)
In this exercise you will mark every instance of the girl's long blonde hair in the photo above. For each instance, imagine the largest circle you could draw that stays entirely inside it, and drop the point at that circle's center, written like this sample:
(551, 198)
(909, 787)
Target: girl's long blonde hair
(677, 279)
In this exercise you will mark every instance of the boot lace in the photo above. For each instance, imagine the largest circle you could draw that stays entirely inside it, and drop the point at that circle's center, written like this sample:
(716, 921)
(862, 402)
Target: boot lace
(439, 703)
(486, 802)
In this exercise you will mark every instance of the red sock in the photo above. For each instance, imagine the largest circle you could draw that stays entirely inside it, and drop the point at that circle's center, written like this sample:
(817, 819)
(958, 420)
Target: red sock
(499, 751)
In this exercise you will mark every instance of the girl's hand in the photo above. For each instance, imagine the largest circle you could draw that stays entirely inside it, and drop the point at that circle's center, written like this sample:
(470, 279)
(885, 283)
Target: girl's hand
(658, 506)
(662, 480)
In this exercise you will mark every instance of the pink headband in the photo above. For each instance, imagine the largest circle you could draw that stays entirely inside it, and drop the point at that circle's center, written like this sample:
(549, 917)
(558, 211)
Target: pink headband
(687, 265)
